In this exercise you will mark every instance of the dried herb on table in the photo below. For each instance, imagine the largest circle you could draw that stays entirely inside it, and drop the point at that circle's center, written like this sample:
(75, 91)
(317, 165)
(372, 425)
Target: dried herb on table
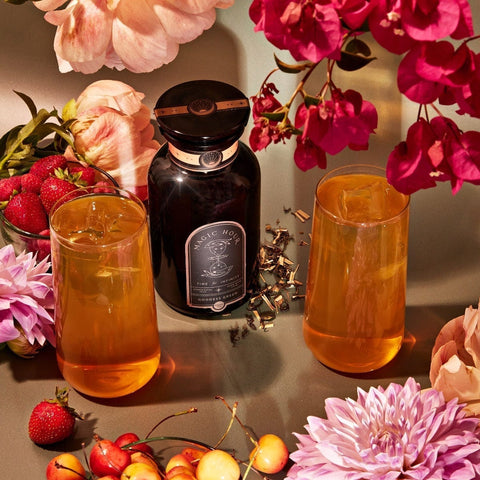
(277, 283)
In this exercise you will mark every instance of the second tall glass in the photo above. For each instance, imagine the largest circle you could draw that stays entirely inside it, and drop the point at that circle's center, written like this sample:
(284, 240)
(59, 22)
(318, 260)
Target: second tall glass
(355, 299)
(105, 314)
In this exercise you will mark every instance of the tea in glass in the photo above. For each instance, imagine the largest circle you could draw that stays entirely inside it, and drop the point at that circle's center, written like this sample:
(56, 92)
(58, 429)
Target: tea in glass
(355, 297)
(105, 314)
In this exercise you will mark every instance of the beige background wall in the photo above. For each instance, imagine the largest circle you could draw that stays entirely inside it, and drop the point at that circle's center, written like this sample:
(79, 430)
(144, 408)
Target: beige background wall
(444, 255)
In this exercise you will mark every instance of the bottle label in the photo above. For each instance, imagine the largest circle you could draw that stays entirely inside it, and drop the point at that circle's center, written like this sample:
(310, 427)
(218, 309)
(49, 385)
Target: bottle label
(206, 161)
(215, 265)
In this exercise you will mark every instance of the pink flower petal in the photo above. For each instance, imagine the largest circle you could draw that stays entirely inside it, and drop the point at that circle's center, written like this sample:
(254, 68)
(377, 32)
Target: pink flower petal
(430, 20)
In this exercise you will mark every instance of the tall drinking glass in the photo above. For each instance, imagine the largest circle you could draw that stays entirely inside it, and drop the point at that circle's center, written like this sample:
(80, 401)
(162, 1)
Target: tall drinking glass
(355, 297)
(105, 315)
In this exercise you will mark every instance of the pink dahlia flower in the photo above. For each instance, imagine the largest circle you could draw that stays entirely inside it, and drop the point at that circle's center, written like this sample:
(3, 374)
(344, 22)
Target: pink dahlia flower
(113, 131)
(139, 35)
(386, 434)
(26, 298)
(455, 365)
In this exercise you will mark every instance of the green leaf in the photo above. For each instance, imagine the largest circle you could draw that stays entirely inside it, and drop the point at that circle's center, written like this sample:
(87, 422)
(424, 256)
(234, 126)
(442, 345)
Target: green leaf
(274, 116)
(355, 56)
(288, 68)
(309, 100)
(30, 104)
(357, 46)
(16, 139)
(69, 111)
(62, 133)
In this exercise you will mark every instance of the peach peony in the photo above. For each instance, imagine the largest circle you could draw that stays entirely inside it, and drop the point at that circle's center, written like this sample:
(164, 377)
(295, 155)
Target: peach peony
(113, 131)
(139, 35)
(455, 365)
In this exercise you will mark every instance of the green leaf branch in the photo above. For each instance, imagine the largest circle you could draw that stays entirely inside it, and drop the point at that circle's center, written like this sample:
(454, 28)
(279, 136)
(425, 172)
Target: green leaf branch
(47, 133)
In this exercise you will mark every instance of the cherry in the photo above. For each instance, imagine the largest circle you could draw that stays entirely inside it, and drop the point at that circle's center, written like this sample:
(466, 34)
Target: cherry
(217, 465)
(179, 472)
(65, 467)
(270, 455)
(129, 437)
(142, 457)
(107, 458)
(179, 460)
(193, 454)
(140, 471)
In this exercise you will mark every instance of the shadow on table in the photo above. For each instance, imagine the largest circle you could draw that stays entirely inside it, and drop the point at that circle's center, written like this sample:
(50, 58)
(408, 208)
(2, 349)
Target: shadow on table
(422, 325)
(41, 367)
(200, 364)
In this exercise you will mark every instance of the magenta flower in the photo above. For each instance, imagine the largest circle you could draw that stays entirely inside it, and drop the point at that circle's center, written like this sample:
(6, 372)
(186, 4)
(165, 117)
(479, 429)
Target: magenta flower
(435, 151)
(308, 30)
(386, 434)
(429, 67)
(266, 130)
(398, 24)
(26, 298)
(332, 125)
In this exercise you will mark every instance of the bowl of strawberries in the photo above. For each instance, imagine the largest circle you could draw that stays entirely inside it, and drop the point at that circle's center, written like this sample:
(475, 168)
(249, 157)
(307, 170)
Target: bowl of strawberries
(26, 200)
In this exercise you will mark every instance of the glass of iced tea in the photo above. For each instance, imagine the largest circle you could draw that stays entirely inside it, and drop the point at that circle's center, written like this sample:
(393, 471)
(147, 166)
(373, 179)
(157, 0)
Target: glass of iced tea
(105, 314)
(355, 298)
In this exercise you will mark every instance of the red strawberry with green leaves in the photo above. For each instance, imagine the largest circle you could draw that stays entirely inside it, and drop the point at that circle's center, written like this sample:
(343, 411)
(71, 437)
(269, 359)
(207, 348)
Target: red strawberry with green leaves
(44, 167)
(52, 420)
(31, 183)
(9, 186)
(53, 189)
(83, 175)
(25, 211)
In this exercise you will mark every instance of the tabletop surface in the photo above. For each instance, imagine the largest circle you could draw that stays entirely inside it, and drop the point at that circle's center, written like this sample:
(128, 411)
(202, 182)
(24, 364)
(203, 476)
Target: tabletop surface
(271, 374)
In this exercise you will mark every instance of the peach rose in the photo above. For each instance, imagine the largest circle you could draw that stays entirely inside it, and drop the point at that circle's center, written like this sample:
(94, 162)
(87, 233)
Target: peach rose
(455, 363)
(113, 131)
(137, 35)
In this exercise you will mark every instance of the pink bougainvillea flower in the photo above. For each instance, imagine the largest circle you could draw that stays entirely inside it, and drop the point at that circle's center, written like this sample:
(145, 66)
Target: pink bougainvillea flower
(441, 62)
(113, 131)
(411, 84)
(408, 167)
(427, 20)
(387, 434)
(26, 298)
(434, 151)
(429, 67)
(455, 363)
(345, 120)
(308, 30)
(355, 12)
(385, 23)
(139, 36)
(307, 155)
(266, 130)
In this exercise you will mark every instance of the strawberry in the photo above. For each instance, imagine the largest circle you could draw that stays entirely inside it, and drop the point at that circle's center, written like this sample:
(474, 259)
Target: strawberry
(83, 175)
(31, 183)
(46, 166)
(25, 211)
(52, 420)
(9, 186)
(54, 188)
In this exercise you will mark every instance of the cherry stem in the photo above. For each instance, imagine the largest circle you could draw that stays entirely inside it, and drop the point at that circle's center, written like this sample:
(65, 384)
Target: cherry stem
(60, 466)
(190, 410)
(234, 416)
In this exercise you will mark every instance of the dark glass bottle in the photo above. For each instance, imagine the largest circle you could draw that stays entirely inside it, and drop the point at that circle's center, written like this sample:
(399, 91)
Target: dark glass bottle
(204, 200)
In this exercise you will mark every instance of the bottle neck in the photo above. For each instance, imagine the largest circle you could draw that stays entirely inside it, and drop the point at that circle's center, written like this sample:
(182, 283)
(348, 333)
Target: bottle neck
(203, 161)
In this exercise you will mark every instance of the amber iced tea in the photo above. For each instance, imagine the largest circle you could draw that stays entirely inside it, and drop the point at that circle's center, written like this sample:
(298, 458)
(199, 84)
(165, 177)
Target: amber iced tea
(107, 336)
(355, 298)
